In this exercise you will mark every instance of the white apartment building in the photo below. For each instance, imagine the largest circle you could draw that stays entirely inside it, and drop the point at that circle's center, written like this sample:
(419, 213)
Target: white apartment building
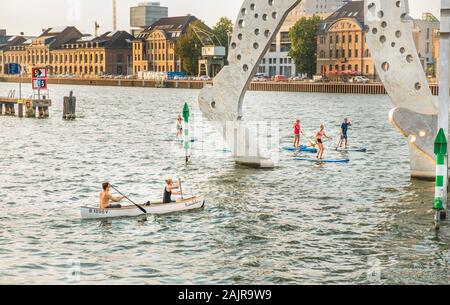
(277, 61)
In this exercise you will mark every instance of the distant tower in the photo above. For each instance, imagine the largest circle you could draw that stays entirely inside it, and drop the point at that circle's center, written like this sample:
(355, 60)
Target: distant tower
(114, 16)
(97, 26)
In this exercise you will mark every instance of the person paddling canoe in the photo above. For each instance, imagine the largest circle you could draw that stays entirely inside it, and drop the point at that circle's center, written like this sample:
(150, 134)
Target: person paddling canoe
(344, 133)
(319, 138)
(169, 191)
(106, 198)
(297, 130)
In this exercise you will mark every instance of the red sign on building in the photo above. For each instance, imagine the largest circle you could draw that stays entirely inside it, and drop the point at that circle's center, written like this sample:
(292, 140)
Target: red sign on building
(39, 78)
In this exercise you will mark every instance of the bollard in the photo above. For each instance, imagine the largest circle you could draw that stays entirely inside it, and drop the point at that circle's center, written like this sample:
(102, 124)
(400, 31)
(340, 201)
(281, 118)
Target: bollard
(20, 108)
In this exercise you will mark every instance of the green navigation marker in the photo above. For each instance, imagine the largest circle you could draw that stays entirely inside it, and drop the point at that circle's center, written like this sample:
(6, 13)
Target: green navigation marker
(440, 149)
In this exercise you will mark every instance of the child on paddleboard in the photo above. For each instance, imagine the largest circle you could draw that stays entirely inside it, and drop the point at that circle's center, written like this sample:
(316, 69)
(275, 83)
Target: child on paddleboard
(319, 138)
(297, 130)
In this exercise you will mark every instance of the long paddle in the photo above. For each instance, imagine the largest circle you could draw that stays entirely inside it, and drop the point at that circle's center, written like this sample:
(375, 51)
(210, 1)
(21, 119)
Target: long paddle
(140, 208)
(181, 189)
(313, 143)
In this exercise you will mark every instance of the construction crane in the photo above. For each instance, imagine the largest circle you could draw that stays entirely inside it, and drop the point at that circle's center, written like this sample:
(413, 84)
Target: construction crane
(213, 52)
(114, 15)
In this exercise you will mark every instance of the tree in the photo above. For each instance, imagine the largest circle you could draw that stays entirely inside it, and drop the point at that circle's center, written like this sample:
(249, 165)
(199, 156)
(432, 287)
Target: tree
(189, 49)
(223, 30)
(303, 37)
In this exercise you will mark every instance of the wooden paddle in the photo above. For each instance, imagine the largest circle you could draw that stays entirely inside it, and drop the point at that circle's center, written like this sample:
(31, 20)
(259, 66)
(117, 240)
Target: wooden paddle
(138, 206)
(181, 189)
(313, 143)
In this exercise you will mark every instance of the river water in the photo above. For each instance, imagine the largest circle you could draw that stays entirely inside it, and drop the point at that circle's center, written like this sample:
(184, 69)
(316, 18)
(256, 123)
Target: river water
(361, 223)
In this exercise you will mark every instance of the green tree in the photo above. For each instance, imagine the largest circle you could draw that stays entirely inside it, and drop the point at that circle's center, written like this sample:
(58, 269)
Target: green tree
(303, 37)
(223, 30)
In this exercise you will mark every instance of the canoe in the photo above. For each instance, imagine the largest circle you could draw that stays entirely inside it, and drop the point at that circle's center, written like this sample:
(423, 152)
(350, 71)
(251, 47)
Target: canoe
(180, 140)
(323, 160)
(301, 148)
(351, 149)
(155, 208)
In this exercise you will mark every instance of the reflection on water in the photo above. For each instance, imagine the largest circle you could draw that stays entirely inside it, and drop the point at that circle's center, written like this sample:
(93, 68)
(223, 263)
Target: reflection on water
(365, 222)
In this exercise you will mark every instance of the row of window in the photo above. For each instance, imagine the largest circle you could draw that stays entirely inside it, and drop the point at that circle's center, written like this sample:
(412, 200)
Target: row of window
(344, 68)
(339, 38)
(274, 61)
(343, 53)
(154, 57)
(159, 68)
(86, 58)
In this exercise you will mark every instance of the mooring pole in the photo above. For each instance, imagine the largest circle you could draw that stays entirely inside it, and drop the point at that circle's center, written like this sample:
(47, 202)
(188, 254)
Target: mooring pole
(187, 140)
(444, 89)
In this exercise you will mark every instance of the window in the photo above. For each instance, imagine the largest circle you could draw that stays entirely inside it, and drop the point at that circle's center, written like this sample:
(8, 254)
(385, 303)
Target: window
(356, 38)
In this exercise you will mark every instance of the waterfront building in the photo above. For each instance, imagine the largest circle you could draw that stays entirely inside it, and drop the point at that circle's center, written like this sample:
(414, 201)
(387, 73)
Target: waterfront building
(154, 48)
(2, 36)
(277, 61)
(423, 30)
(145, 14)
(68, 51)
(341, 44)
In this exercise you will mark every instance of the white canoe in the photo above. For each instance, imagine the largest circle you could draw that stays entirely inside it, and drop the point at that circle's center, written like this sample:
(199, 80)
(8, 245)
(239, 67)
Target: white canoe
(155, 208)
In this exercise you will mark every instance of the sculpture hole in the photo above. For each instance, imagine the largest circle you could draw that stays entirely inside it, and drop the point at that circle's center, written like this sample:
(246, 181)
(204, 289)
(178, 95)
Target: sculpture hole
(233, 45)
(380, 14)
(398, 34)
(385, 66)
(239, 36)
(374, 31)
(382, 39)
(256, 32)
(398, 4)
(371, 6)
(255, 45)
(384, 24)
(241, 23)
(244, 11)
(393, 44)
(265, 17)
(418, 86)
(239, 57)
(252, 6)
(256, 16)
(403, 16)
(402, 50)
(213, 104)
(409, 58)
(245, 68)
(271, 2)
(274, 15)
(267, 33)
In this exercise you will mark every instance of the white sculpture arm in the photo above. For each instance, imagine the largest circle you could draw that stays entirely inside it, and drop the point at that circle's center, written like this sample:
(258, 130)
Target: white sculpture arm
(391, 43)
(257, 25)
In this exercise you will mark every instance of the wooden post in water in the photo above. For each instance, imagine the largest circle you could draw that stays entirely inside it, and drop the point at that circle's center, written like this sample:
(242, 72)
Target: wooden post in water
(20, 107)
(1, 108)
(69, 108)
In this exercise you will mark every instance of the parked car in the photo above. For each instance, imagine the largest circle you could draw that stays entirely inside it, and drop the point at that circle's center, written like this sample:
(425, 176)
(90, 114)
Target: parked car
(280, 78)
(360, 79)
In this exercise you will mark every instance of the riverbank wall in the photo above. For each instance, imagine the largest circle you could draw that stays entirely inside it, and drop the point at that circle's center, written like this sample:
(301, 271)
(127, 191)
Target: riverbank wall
(343, 88)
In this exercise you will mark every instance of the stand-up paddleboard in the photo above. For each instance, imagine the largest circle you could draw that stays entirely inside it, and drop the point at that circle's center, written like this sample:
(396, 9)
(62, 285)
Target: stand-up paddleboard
(301, 148)
(180, 140)
(322, 160)
(362, 149)
(224, 150)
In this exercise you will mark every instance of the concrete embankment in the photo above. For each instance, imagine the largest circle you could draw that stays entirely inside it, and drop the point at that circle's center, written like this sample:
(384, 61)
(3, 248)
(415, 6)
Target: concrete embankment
(344, 88)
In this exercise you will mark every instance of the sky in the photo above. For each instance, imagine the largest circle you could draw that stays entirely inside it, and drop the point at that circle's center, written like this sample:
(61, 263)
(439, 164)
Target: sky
(31, 16)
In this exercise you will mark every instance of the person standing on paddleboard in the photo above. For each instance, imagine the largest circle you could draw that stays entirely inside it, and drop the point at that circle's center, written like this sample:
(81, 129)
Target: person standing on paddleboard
(319, 138)
(168, 191)
(344, 132)
(297, 130)
(179, 127)
(106, 198)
